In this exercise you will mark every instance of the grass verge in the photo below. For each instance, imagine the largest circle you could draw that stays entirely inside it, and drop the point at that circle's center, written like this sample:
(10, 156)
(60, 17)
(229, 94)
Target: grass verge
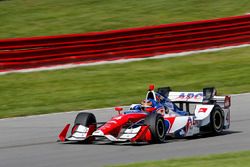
(25, 18)
(121, 84)
(226, 160)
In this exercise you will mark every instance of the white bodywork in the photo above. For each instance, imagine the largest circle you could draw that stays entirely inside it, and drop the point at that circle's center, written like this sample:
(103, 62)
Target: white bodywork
(126, 135)
(190, 125)
(186, 96)
(79, 134)
(202, 114)
(130, 133)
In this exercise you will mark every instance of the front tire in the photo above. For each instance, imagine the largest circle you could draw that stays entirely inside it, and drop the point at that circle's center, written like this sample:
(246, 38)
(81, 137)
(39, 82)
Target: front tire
(85, 119)
(156, 127)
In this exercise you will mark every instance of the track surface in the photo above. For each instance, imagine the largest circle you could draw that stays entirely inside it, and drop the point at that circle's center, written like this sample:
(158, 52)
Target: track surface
(31, 142)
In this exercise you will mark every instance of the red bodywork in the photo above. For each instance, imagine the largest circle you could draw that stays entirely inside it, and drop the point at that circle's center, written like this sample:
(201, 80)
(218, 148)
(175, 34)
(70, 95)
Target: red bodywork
(114, 125)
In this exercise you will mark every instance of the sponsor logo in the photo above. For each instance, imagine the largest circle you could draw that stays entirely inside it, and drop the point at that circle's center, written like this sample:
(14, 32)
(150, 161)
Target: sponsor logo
(189, 124)
(195, 96)
(169, 121)
(203, 110)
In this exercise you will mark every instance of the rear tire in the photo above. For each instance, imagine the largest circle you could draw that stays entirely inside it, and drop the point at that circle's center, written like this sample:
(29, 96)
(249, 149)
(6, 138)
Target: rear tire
(156, 127)
(216, 121)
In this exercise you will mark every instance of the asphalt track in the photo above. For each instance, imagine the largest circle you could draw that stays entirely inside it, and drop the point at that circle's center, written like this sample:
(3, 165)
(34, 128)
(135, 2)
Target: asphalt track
(31, 142)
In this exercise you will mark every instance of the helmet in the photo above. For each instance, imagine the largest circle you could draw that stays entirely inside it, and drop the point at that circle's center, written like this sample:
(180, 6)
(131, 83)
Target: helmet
(147, 104)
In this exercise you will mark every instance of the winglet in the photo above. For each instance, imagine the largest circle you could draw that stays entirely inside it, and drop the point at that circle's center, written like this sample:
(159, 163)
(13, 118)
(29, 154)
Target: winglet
(62, 135)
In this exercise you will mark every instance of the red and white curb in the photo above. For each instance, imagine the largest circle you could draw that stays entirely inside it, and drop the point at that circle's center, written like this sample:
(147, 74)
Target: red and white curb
(67, 66)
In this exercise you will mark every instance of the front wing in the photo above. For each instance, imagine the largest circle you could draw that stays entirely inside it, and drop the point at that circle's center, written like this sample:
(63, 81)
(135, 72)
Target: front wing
(82, 133)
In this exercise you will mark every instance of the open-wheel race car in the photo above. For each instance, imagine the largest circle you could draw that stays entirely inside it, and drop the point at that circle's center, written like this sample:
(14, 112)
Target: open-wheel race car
(162, 113)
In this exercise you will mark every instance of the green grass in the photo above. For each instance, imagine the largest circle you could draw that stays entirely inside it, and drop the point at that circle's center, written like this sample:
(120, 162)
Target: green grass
(121, 84)
(25, 18)
(237, 159)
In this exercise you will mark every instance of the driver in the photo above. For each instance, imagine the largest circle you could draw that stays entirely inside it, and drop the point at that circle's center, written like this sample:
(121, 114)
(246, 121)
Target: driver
(150, 105)
(147, 104)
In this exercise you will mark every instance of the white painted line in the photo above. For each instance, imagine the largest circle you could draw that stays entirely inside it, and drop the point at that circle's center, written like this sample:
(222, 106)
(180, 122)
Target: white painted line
(57, 67)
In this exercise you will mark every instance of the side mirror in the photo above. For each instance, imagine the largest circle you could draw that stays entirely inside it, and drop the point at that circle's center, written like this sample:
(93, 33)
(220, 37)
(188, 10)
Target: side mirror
(118, 109)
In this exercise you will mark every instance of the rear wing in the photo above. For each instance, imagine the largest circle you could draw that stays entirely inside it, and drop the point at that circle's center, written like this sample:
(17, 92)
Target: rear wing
(195, 97)
(207, 96)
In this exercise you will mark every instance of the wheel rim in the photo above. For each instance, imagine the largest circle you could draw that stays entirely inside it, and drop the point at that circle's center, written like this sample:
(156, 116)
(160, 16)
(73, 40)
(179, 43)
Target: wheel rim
(217, 120)
(160, 128)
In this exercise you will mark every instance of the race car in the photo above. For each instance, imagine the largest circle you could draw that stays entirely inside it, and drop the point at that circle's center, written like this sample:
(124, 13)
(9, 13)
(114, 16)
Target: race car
(162, 113)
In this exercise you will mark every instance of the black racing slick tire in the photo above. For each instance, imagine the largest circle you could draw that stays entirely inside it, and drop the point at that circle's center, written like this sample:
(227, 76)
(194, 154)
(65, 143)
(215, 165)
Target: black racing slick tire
(85, 119)
(216, 121)
(157, 127)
